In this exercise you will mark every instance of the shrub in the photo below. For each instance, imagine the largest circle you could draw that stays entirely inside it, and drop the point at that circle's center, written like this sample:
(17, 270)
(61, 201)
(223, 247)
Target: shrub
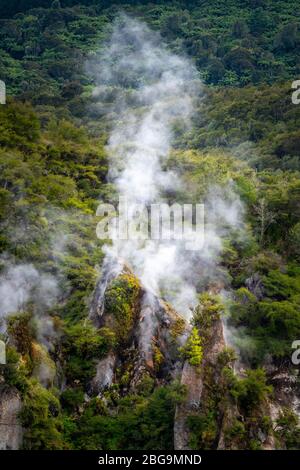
(236, 434)
(203, 430)
(208, 310)
(14, 371)
(21, 330)
(192, 350)
(252, 390)
(121, 300)
(83, 344)
(138, 422)
(84, 340)
(72, 398)
(287, 429)
(41, 419)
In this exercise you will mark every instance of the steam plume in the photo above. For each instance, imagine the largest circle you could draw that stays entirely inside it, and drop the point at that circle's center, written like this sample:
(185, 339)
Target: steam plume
(146, 91)
(21, 284)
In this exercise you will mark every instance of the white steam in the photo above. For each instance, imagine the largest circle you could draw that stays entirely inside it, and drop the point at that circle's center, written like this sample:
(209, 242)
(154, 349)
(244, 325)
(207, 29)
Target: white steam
(146, 92)
(23, 284)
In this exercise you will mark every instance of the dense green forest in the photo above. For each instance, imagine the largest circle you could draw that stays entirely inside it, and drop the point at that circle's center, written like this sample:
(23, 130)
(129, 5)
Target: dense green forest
(54, 167)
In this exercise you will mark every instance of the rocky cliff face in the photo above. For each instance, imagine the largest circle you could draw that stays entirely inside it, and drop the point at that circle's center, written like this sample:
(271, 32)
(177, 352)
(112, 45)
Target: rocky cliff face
(149, 342)
(196, 384)
(285, 382)
(10, 428)
(154, 331)
(149, 336)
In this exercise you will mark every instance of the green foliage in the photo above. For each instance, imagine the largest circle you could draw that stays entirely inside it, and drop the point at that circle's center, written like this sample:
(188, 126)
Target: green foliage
(202, 170)
(252, 390)
(250, 119)
(206, 420)
(236, 434)
(203, 430)
(287, 429)
(232, 44)
(192, 350)
(83, 344)
(235, 405)
(21, 329)
(294, 241)
(121, 301)
(158, 357)
(245, 135)
(141, 423)
(14, 372)
(71, 399)
(207, 311)
(178, 327)
(19, 126)
(41, 417)
(273, 321)
(85, 340)
(227, 357)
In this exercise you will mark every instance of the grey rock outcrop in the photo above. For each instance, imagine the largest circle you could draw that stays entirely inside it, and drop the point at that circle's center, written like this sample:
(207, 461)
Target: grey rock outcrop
(157, 332)
(193, 380)
(10, 427)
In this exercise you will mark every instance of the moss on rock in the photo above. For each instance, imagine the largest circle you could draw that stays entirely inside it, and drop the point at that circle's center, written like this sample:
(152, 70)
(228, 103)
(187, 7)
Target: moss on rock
(121, 305)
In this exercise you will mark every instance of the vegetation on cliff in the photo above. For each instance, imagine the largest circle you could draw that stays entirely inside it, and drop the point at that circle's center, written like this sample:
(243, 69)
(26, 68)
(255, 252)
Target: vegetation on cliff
(53, 173)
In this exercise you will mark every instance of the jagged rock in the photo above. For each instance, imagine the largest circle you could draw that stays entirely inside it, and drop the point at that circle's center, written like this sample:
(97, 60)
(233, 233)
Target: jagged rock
(193, 379)
(153, 333)
(216, 342)
(254, 284)
(140, 370)
(110, 270)
(156, 327)
(10, 427)
(230, 415)
(286, 391)
(44, 368)
(104, 374)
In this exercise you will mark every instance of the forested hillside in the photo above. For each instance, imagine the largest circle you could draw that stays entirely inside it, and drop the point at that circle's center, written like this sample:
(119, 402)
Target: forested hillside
(79, 384)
